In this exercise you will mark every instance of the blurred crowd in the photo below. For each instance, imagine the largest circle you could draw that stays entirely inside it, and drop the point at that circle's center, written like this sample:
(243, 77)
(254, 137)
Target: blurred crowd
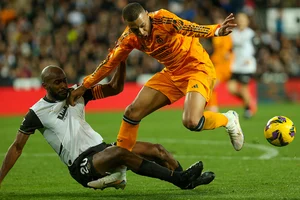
(77, 34)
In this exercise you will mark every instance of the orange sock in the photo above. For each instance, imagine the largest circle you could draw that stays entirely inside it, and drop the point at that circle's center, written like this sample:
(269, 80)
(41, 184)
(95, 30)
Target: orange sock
(214, 120)
(127, 134)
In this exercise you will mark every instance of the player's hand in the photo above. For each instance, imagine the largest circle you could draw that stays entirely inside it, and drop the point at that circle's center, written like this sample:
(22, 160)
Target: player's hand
(75, 95)
(227, 25)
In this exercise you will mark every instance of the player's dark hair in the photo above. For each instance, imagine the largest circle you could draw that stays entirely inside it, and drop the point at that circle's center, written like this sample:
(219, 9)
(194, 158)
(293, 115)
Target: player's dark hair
(132, 11)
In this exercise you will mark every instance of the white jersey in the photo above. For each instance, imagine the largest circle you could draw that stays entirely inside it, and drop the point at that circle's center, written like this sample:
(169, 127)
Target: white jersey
(64, 127)
(244, 61)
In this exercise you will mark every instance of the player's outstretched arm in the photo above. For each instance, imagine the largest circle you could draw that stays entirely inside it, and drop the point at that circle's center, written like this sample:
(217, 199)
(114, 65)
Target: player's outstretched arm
(173, 23)
(100, 91)
(13, 153)
(114, 87)
(116, 84)
(227, 26)
(75, 94)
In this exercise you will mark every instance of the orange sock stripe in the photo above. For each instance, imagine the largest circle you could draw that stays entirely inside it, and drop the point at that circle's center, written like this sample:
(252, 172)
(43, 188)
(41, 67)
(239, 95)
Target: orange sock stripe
(214, 120)
(130, 121)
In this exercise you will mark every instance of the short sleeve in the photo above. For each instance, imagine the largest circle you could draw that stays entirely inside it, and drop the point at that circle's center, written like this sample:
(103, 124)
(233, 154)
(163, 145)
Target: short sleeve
(88, 96)
(30, 123)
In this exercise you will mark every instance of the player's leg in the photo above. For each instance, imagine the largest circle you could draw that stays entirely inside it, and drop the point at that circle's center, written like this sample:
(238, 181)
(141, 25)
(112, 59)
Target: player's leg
(156, 153)
(156, 93)
(239, 86)
(112, 157)
(147, 101)
(249, 102)
(233, 87)
(195, 119)
(212, 105)
(199, 88)
(245, 93)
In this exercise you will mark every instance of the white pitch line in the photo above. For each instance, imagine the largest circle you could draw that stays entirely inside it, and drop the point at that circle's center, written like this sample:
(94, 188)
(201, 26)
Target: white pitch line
(268, 152)
(195, 157)
(181, 156)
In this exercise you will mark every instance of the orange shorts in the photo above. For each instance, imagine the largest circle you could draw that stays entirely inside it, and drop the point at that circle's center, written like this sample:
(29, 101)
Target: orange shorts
(177, 84)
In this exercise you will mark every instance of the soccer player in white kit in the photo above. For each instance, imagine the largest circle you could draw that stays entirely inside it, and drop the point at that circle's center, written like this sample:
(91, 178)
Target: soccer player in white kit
(83, 150)
(244, 63)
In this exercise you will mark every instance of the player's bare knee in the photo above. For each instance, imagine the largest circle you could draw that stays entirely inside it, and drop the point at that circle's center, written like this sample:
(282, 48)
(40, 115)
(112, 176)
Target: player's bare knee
(132, 112)
(194, 124)
(190, 123)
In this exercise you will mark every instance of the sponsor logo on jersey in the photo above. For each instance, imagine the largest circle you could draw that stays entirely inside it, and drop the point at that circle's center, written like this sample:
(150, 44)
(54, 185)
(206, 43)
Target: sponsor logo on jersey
(63, 113)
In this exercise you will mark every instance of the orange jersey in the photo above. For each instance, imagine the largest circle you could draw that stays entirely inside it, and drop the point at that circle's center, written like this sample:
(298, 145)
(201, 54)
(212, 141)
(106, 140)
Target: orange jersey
(173, 42)
(222, 57)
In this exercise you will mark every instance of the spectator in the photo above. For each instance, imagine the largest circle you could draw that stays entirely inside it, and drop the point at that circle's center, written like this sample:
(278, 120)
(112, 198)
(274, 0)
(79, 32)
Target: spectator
(77, 34)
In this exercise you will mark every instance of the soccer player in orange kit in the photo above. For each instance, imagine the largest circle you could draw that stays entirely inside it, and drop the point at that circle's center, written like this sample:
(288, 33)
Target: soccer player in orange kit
(188, 72)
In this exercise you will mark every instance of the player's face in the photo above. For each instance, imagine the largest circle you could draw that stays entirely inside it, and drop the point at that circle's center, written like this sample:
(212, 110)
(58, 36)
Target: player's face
(57, 87)
(242, 21)
(141, 27)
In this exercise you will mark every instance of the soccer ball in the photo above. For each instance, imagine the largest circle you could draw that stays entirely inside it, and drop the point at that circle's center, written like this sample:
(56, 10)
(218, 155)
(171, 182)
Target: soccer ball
(280, 131)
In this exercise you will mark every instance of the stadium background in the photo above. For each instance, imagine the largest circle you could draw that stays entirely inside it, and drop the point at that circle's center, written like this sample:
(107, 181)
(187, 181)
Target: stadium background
(76, 36)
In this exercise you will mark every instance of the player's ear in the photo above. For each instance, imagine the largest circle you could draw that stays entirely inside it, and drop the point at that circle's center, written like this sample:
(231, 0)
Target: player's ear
(44, 85)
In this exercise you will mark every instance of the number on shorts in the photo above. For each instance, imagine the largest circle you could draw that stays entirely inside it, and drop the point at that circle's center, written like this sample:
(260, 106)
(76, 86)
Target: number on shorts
(83, 167)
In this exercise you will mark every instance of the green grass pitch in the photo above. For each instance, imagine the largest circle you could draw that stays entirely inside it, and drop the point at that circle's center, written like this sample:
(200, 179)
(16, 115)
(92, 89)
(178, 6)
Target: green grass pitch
(258, 171)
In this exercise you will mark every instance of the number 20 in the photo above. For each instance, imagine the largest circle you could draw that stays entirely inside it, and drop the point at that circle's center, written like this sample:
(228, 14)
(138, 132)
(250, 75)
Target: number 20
(83, 167)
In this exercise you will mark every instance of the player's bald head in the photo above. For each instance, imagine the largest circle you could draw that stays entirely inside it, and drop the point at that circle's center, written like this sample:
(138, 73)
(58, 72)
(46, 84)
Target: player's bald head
(51, 72)
(55, 82)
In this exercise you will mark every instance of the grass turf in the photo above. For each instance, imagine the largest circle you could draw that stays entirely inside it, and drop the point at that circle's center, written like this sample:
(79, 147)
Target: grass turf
(258, 171)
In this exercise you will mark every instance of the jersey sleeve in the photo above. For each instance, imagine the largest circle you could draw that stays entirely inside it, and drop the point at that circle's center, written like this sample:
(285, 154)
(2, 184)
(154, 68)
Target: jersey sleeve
(126, 43)
(30, 123)
(173, 23)
(94, 93)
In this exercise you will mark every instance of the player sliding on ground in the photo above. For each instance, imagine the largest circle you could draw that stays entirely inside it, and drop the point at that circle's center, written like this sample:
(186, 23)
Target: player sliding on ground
(188, 72)
(83, 150)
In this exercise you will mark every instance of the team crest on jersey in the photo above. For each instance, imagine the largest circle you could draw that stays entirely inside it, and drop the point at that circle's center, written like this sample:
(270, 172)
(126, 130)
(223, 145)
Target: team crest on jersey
(63, 113)
(159, 40)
